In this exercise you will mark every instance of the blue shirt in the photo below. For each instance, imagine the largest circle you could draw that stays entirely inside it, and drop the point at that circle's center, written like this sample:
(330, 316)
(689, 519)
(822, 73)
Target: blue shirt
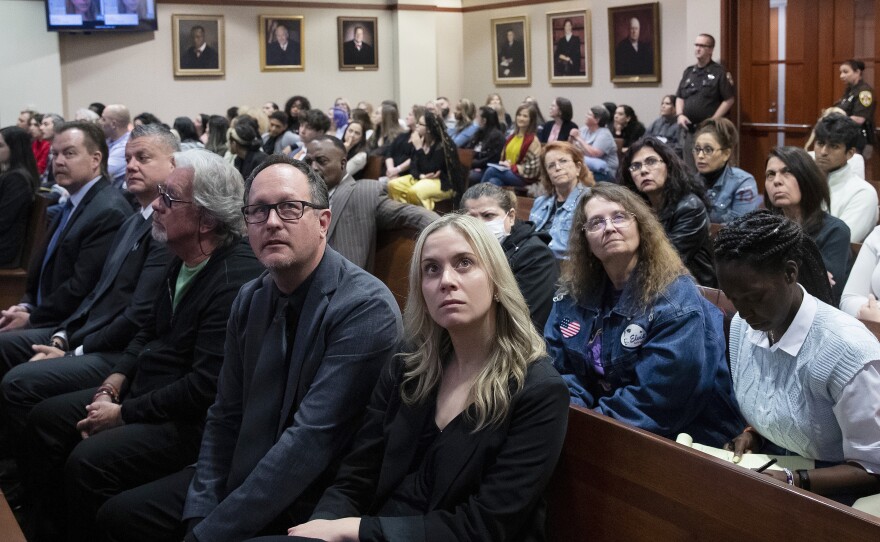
(560, 229)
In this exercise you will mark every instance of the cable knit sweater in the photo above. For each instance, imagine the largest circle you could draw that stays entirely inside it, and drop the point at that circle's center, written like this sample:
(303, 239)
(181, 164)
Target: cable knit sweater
(790, 398)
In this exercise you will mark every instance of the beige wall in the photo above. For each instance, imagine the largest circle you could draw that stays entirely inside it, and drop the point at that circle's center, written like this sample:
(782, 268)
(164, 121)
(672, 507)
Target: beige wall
(422, 54)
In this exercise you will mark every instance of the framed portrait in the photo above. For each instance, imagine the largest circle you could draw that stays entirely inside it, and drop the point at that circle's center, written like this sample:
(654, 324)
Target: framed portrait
(358, 42)
(569, 44)
(199, 45)
(511, 51)
(634, 42)
(281, 43)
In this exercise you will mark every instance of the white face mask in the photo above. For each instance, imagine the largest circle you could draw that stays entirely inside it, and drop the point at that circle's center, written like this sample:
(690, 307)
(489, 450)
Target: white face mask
(496, 228)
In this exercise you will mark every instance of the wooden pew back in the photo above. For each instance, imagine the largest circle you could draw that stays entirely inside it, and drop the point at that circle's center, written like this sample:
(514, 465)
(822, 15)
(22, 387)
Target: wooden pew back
(394, 250)
(13, 281)
(616, 482)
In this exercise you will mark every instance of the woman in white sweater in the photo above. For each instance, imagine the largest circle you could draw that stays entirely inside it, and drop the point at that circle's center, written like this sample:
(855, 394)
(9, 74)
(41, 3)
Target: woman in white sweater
(863, 285)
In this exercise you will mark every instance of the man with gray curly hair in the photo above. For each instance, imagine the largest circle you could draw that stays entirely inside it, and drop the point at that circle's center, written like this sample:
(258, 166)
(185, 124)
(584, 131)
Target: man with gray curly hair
(146, 419)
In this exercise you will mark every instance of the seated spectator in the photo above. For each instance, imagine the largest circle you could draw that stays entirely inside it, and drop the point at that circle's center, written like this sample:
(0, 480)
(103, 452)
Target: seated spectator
(730, 191)
(805, 374)
(279, 140)
(627, 126)
(795, 187)
(479, 409)
(521, 158)
(652, 169)
(295, 107)
(86, 115)
(398, 155)
(342, 103)
(39, 146)
(494, 101)
(245, 144)
(665, 127)
(19, 182)
(338, 121)
(201, 122)
(559, 127)
(488, 143)
(216, 129)
(531, 260)
(146, 118)
(356, 148)
(853, 200)
(465, 124)
(856, 162)
(564, 179)
(186, 132)
(630, 332)
(312, 123)
(435, 173)
(47, 178)
(269, 108)
(115, 121)
(596, 143)
(363, 117)
(385, 130)
(539, 116)
(863, 284)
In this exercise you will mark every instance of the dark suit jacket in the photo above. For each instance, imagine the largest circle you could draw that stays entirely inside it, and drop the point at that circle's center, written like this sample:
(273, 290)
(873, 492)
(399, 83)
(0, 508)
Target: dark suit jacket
(121, 302)
(564, 131)
(348, 329)
(571, 49)
(75, 266)
(515, 52)
(359, 209)
(628, 61)
(209, 60)
(489, 489)
(275, 56)
(351, 55)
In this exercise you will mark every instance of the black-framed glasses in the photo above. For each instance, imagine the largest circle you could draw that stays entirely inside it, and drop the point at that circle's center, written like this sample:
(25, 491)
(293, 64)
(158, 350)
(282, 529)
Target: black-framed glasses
(707, 150)
(167, 199)
(287, 211)
(650, 162)
(618, 220)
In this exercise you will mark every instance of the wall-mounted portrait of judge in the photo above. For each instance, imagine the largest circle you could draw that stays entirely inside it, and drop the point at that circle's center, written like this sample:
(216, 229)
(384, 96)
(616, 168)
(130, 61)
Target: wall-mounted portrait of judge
(198, 45)
(281, 43)
(569, 46)
(634, 33)
(358, 43)
(511, 51)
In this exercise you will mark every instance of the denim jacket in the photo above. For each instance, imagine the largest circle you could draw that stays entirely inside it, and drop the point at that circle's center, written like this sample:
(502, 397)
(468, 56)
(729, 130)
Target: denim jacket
(665, 367)
(561, 227)
(734, 194)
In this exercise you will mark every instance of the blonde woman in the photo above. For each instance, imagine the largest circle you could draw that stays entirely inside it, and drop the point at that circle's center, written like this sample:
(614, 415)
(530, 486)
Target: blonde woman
(465, 428)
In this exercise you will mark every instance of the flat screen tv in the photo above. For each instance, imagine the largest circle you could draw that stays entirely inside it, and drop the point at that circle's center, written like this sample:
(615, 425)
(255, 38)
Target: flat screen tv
(101, 15)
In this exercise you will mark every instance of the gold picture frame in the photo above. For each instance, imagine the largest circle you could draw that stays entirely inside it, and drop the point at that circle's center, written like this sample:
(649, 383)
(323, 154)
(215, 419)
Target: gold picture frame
(634, 63)
(570, 56)
(276, 56)
(511, 51)
(199, 45)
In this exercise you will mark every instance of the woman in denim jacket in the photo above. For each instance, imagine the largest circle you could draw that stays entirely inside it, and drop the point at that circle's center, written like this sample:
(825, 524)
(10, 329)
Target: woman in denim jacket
(630, 332)
(730, 191)
(564, 178)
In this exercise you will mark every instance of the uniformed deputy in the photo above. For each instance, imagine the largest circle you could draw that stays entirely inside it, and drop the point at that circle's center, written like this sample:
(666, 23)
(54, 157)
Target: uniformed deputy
(706, 91)
(858, 103)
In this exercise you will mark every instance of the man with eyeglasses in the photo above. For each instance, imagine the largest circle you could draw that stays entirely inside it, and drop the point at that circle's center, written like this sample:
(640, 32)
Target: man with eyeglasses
(146, 419)
(360, 208)
(706, 91)
(306, 342)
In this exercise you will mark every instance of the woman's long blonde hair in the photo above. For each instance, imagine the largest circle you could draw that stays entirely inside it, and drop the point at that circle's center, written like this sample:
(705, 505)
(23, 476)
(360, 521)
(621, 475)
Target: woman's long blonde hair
(515, 344)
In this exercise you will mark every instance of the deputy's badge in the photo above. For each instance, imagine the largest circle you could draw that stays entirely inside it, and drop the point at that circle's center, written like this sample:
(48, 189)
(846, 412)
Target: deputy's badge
(710, 76)
(730, 78)
(632, 336)
(866, 98)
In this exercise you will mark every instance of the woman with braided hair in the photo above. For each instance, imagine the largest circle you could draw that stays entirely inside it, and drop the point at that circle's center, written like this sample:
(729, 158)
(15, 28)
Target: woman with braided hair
(806, 375)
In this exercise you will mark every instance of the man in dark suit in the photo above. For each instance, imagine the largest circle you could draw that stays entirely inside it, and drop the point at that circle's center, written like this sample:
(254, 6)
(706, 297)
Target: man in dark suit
(305, 345)
(283, 51)
(69, 264)
(112, 314)
(200, 55)
(360, 208)
(357, 51)
(145, 420)
(631, 56)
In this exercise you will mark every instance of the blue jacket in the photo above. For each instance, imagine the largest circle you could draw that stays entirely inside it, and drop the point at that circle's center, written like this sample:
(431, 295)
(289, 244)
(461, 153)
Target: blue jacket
(734, 194)
(665, 367)
(561, 227)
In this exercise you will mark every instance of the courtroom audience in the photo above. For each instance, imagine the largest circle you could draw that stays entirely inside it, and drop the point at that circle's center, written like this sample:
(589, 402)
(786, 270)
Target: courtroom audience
(398, 155)
(665, 127)
(186, 132)
(465, 123)
(279, 139)
(596, 143)
(630, 332)
(856, 161)
(559, 127)
(246, 145)
(386, 130)
(795, 187)
(487, 143)
(19, 181)
(651, 169)
(356, 148)
(730, 191)
(627, 126)
(494, 101)
(294, 107)
(216, 130)
(520, 163)
(804, 373)
(361, 116)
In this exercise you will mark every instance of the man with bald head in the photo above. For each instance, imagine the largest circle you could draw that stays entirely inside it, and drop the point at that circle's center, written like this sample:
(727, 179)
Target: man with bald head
(115, 120)
(633, 56)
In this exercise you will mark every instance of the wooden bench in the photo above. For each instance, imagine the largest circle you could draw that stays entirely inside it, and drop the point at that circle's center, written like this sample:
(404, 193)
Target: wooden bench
(13, 281)
(373, 169)
(616, 482)
(394, 249)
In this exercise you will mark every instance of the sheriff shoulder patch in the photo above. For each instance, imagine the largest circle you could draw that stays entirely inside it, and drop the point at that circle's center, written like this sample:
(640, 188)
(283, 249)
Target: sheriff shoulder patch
(866, 98)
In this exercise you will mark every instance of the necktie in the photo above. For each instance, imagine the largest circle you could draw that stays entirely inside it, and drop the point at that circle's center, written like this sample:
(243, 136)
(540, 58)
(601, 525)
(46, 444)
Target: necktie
(53, 243)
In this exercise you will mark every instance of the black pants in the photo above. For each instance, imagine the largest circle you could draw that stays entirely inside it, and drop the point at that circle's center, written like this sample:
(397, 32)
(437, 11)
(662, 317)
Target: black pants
(15, 346)
(68, 478)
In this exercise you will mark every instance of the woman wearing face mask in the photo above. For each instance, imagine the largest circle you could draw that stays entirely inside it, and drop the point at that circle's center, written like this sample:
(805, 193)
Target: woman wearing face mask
(858, 103)
(564, 178)
(531, 260)
(731, 192)
(665, 127)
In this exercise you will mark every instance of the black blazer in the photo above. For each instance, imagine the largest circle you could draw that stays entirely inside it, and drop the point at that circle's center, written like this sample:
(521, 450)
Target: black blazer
(564, 130)
(119, 305)
(74, 268)
(490, 490)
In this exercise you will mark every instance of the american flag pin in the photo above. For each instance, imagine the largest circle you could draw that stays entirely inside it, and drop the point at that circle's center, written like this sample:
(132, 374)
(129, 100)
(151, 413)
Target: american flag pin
(569, 328)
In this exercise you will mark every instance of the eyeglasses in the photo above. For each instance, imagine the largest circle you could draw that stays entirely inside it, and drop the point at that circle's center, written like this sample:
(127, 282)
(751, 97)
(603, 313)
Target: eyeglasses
(287, 211)
(708, 151)
(167, 199)
(562, 162)
(619, 220)
(650, 162)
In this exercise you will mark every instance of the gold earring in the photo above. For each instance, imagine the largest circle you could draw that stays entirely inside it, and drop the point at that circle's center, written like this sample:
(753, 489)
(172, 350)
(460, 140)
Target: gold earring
(496, 298)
